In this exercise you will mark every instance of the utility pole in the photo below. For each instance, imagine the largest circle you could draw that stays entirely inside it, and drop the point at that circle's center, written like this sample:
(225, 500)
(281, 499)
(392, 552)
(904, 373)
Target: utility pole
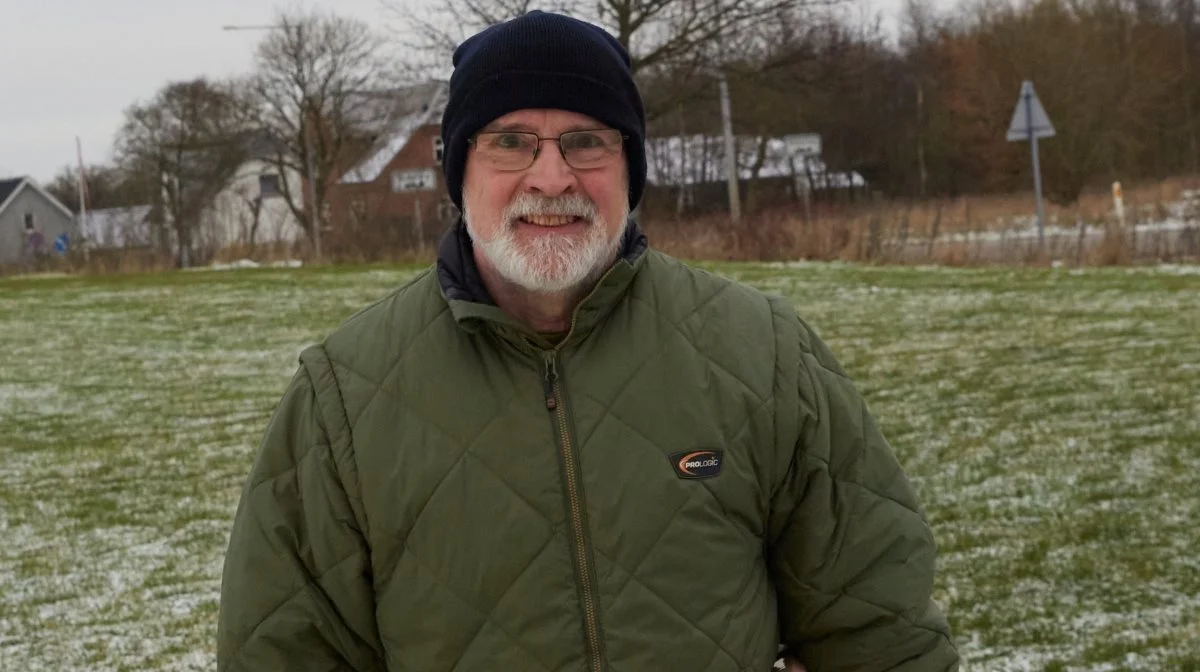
(306, 144)
(735, 206)
(85, 232)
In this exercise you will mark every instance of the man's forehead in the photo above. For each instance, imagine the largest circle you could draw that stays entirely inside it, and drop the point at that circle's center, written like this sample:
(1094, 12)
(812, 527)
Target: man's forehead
(543, 119)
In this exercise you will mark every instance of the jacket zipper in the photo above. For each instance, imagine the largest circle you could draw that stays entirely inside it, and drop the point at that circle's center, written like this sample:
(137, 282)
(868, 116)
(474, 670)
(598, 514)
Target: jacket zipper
(555, 404)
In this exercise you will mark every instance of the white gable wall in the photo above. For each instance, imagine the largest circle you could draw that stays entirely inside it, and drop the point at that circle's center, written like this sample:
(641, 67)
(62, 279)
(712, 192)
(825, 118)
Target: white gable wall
(230, 219)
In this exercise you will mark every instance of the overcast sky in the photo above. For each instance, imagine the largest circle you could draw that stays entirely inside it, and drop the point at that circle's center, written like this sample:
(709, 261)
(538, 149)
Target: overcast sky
(70, 68)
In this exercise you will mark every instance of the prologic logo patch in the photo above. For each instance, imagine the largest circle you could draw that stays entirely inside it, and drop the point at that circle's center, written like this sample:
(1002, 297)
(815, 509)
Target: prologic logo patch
(697, 463)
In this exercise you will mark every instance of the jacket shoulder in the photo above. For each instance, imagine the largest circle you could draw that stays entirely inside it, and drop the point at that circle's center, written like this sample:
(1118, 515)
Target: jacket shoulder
(679, 290)
(729, 323)
(381, 332)
(353, 361)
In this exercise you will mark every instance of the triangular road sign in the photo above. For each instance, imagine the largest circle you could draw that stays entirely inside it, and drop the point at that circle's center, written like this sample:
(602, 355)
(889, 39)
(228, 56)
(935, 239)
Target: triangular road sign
(1029, 116)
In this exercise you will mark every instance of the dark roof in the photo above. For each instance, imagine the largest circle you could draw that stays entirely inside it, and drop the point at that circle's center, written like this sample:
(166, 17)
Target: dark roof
(7, 187)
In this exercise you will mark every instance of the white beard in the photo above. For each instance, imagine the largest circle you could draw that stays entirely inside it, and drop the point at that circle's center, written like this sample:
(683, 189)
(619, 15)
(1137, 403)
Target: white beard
(549, 264)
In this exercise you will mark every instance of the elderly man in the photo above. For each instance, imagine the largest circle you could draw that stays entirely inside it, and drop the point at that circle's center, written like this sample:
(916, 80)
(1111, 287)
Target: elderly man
(562, 450)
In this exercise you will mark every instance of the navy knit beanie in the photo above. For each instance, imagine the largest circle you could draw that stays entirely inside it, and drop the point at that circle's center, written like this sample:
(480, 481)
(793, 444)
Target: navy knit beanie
(541, 60)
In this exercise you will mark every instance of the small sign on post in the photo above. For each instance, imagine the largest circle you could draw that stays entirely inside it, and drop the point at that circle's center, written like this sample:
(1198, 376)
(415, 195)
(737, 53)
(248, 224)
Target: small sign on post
(802, 148)
(803, 144)
(1031, 122)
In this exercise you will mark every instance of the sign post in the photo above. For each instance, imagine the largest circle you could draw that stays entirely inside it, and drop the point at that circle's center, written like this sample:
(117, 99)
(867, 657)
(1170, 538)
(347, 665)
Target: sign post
(803, 147)
(1030, 122)
(731, 174)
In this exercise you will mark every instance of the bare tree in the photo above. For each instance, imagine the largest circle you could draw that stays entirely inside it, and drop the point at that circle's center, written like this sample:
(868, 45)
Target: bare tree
(429, 32)
(107, 186)
(672, 34)
(186, 142)
(319, 92)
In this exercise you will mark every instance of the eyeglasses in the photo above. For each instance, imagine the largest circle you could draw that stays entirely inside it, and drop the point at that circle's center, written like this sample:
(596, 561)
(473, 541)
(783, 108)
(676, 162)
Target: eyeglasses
(516, 150)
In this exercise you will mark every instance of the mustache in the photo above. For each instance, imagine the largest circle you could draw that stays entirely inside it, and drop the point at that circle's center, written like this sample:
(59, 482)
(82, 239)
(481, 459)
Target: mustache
(570, 205)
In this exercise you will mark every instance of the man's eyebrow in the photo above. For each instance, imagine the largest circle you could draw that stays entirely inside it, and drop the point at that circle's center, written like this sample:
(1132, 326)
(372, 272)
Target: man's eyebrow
(586, 127)
(507, 128)
(514, 127)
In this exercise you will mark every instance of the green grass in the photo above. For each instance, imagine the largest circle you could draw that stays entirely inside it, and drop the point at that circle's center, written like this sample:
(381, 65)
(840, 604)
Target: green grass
(1049, 418)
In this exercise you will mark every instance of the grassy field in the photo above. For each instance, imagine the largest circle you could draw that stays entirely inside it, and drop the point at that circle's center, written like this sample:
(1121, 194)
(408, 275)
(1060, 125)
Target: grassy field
(1050, 419)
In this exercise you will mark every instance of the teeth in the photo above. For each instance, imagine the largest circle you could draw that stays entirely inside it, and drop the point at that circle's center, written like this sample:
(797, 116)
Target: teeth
(549, 220)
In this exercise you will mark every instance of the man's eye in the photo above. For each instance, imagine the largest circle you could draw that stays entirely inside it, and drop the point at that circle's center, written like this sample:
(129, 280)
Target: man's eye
(584, 141)
(509, 141)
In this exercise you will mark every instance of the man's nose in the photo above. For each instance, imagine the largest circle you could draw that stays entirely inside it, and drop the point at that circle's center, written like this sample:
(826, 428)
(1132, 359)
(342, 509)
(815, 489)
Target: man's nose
(550, 175)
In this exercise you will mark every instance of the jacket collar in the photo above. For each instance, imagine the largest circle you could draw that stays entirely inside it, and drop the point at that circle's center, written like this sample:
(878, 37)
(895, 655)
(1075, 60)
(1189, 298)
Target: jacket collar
(473, 307)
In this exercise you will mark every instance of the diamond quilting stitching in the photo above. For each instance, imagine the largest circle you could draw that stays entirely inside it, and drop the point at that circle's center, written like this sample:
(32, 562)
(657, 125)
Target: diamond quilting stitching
(485, 614)
(491, 470)
(299, 591)
(682, 617)
(416, 414)
(467, 449)
(700, 305)
(695, 348)
(650, 550)
(378, 385)
(606, 405)
(720, 647)
(549, 523)
(843, 594)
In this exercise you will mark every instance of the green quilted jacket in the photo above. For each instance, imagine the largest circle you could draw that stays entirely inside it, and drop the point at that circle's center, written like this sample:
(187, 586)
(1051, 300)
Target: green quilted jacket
(687, 481)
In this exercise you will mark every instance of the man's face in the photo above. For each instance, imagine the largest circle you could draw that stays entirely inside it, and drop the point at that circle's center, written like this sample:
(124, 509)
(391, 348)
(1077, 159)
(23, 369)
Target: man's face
(552, 226)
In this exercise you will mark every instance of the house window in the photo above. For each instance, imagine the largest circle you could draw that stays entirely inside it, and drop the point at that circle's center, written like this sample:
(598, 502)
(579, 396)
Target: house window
(29, 221)
(438, 150)
(268, 185)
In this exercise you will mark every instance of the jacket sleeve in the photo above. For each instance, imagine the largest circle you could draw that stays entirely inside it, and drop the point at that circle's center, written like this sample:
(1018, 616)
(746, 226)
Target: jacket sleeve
(296, 591)
(851, 552)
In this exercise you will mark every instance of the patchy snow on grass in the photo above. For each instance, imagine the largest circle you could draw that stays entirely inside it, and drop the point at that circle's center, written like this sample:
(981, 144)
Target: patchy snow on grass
(131, 409)
(1051, 423)
(1049, 419)
(1173, 269)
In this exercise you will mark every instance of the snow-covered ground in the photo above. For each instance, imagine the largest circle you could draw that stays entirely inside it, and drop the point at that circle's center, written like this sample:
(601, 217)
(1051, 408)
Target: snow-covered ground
(1050, 419)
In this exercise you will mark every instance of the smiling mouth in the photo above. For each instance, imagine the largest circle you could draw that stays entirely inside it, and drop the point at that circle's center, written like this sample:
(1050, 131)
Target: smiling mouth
(550, 221)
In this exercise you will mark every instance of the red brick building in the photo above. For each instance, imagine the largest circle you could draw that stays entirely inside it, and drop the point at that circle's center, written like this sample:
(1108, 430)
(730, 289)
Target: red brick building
(395, 198)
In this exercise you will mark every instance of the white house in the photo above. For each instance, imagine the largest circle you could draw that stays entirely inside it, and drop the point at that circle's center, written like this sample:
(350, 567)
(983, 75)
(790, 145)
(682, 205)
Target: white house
(117, 228)
(698, 159)
(251, 209)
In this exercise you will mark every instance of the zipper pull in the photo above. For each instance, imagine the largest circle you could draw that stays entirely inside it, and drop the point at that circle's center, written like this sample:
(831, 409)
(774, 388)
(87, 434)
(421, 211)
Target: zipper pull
(551, 375)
